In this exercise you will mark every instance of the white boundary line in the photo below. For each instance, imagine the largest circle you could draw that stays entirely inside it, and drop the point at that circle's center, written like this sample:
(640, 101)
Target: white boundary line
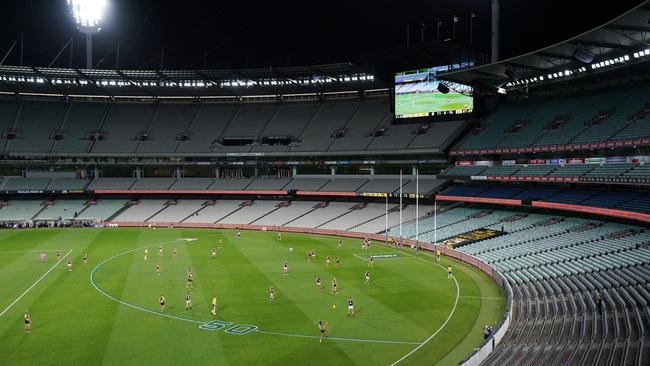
(364, 340)
(483, 297)
(92, 281)
(34, 284)
(453, 310)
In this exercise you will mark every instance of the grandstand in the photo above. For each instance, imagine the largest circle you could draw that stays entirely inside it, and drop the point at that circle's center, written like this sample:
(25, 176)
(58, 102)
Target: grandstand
(145, 129)
(538, 199)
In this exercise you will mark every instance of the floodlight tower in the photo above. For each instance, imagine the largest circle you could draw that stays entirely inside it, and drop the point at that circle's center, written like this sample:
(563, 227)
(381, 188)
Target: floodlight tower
(87, 15)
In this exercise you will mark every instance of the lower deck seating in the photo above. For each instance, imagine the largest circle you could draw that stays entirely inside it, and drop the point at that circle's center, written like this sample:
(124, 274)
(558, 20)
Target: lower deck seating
(636, 201)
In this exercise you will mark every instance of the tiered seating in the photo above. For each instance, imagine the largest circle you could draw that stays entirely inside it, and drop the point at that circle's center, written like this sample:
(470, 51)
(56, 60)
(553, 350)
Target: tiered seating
(381, 185)
(534, 169)
(63, 209)
(165, 127)
(378, 224)
(122, 125)
(557, 277)
(36, 122)
(580, 117)
(67, 184)
(24, 184)
(536, 193)
(571, 196)
(535, 128)
(82, 118)
(465, 190)
(501, 192)
(215, 212)
(498, 123)
(460, 170)
(573, 170)
(286, 214)
(169, 120)
(634, 130)
(426, 185)
(622, 200)
(356, 217)
(306, 184)
(501, 170)
(638, 204)
(530, 233)
(289, 121)
(633, 101)
(141, 211)
(322, 215)
(231, 184)
(178, 211)
(426, 224)
(153, 183)
(8, 110)
(20, 210)
(344, 184)
(436, 136)
(110, 183)
(102, 209)
(332, 115)
(268, 184)
(639, 171)
(603, 115)
(609, 170)
(192, 183)
(206, 128)
(611, 199)
(249, 122)
(249, 213)
(365, 120)
(452, 230)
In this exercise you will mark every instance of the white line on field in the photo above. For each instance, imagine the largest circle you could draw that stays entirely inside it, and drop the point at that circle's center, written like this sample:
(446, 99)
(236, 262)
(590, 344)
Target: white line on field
(453, 310)
(484, 297)
(379, 258)
(365, 340)
(153, 312)
(34, 284)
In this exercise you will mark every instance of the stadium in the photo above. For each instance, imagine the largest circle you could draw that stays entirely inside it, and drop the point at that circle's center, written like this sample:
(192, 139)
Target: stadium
(425, 202)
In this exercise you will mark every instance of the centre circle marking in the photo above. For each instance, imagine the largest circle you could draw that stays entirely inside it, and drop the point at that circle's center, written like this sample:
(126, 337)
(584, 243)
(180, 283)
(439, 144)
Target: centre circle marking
(240, 329)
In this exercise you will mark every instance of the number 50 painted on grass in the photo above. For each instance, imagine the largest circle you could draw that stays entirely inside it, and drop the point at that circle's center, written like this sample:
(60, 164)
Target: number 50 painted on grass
(238, 329)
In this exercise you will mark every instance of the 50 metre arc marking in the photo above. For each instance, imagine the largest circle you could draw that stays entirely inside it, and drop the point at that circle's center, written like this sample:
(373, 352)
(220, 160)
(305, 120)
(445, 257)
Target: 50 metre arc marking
(451, 314)
(201, 322)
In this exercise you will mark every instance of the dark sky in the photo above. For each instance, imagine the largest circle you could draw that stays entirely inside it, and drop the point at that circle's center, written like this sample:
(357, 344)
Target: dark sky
(239, 33)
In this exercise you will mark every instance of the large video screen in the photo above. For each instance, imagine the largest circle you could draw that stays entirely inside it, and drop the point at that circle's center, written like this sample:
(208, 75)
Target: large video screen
(417, 95)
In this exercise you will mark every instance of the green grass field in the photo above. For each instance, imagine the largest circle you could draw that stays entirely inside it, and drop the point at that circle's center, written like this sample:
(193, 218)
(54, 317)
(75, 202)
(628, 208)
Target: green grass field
(107, 312)
(415, 103)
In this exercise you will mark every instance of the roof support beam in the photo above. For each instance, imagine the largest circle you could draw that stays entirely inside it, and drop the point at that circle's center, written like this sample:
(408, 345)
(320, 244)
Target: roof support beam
(525, 66)
(602, 44)
(554, 55)
(628, 27)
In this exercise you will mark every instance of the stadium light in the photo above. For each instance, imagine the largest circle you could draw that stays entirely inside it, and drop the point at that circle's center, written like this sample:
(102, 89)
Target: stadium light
(88, 16)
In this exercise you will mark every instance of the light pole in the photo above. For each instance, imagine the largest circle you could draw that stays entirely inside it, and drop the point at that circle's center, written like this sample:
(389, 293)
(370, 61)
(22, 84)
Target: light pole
(87, 15)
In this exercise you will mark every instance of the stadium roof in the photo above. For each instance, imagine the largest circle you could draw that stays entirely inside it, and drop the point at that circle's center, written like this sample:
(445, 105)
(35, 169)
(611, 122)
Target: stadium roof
(619, 42)
(187, 83)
